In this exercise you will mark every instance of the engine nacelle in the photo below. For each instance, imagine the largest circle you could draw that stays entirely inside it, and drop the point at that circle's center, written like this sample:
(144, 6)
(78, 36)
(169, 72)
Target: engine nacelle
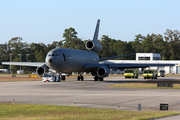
(94, 46)
(42, 69)
(103, 71)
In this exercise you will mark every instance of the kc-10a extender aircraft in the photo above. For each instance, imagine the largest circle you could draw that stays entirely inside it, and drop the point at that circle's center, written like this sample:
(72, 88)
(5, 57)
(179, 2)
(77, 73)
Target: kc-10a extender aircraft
(64, 60)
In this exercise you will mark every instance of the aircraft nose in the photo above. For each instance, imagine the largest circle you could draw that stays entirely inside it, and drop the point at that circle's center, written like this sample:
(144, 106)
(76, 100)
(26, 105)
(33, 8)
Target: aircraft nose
(50, 60)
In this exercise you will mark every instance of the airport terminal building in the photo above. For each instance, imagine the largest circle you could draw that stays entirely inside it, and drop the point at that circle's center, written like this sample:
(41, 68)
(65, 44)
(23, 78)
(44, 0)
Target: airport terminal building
(150, 58)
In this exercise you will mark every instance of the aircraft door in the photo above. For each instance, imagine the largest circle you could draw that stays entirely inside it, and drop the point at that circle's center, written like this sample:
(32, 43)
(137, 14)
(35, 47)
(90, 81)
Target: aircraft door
(66, 57)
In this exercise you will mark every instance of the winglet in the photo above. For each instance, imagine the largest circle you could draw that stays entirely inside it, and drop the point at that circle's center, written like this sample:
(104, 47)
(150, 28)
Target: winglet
(95, 38)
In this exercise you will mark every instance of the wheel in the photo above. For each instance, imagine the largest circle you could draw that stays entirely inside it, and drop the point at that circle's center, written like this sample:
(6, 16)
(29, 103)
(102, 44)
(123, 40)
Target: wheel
(82, 78)
(54, 79)
(144, 77)
(63, 77)
(125, 77)
(96, 78)
(100, 78)
(78, 78)
(132, 77)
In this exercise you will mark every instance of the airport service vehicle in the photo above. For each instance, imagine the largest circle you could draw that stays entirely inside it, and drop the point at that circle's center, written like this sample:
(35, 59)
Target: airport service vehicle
(131, 73)
(63, 60)
(47, 77)
(147, 74)
(161, 73)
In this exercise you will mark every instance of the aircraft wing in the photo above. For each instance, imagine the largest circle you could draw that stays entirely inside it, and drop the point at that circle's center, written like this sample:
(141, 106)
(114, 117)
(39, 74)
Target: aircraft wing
(33, 64)
(125, 65)
(110, 58)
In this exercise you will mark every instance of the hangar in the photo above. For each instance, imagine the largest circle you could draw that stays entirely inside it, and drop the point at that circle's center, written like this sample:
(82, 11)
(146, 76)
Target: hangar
(149, 58)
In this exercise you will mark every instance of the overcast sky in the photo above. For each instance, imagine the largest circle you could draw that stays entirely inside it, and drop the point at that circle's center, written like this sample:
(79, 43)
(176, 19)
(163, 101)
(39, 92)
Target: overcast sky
(45, 20)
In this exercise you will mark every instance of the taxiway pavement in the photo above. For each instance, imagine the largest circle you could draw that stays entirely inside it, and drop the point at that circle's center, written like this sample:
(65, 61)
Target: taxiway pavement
(89, 93)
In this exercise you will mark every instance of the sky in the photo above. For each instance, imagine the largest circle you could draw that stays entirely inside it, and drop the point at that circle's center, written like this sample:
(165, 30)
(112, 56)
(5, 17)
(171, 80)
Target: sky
(45, 20)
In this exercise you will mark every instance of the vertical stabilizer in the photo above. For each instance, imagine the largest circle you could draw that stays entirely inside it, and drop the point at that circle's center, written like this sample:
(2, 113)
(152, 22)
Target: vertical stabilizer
(95, 38)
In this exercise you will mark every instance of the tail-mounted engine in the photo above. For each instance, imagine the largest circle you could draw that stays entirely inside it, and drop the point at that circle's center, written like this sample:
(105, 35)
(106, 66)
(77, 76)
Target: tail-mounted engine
(42, 69)
(103, 71)
(94, 46)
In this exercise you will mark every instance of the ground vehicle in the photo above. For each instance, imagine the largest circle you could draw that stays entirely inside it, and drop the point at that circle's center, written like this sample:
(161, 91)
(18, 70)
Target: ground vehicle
(161, 73)
(131, 73)
(150, 74)
(47, 77)
(51, 77)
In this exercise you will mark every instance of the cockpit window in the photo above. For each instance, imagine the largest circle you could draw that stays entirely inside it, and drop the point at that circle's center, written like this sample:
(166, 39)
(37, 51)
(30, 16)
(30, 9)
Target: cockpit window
(53, 55)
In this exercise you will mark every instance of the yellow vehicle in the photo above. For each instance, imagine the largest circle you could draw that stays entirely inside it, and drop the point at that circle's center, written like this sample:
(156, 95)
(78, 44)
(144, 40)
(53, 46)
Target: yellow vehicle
(150, 74)
(131, 73)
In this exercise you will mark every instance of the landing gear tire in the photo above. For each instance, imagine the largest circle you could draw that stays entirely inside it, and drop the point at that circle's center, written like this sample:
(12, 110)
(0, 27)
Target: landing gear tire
(78, 78)
(54, 79)
(96, 78)
(63, 78)
(58, 78)
(100, 78)
(82, 78)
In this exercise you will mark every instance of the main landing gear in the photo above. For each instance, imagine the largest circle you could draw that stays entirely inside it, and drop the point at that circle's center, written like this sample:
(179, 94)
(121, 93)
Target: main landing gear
(63, 77)
(96, 78)
(80, 77)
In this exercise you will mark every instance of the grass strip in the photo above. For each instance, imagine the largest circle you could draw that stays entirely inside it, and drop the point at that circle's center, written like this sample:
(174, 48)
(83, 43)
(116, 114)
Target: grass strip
(9, 111)
(143, 85)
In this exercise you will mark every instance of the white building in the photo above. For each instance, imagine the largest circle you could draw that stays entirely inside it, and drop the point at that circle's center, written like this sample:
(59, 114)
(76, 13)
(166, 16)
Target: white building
(153, 58)
(4, 71)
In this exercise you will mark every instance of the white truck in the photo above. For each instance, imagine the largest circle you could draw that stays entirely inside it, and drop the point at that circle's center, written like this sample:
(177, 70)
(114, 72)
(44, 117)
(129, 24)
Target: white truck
(49, 77)
(161, 73)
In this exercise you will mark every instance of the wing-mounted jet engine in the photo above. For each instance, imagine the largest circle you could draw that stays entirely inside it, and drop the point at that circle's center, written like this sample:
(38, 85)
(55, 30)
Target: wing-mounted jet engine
(103, 71)
(42, 69)
(94, 45)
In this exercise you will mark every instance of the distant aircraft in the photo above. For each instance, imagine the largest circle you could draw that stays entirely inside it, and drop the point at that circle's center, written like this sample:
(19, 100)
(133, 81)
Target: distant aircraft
(64, 60)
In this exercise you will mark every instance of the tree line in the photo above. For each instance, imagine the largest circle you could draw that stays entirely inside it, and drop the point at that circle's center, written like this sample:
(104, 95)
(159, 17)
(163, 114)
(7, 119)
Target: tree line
(168, 46)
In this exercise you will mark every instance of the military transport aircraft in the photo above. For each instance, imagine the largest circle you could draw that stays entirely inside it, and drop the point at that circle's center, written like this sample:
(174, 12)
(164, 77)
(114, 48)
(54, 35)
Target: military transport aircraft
(64, 60)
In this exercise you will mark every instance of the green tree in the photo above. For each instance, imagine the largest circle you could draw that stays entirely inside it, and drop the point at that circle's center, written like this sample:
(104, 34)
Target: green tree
(173, 39)
(147, 44)
(69, 35)
(136, 44)
(108, 49)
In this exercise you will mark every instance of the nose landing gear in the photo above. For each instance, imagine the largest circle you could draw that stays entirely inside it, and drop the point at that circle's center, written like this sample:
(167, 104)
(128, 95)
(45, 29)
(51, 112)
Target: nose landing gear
(80, 77)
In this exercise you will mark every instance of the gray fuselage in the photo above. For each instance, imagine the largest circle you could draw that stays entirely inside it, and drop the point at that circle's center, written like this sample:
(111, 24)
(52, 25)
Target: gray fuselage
(70, 60)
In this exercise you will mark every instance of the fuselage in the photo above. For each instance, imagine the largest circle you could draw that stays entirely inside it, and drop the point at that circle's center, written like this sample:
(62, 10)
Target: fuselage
(70, 60)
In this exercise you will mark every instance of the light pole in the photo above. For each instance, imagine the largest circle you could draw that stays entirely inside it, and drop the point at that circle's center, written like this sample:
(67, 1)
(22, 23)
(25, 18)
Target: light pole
(27, 56)
(10, 61)
(20, 61)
